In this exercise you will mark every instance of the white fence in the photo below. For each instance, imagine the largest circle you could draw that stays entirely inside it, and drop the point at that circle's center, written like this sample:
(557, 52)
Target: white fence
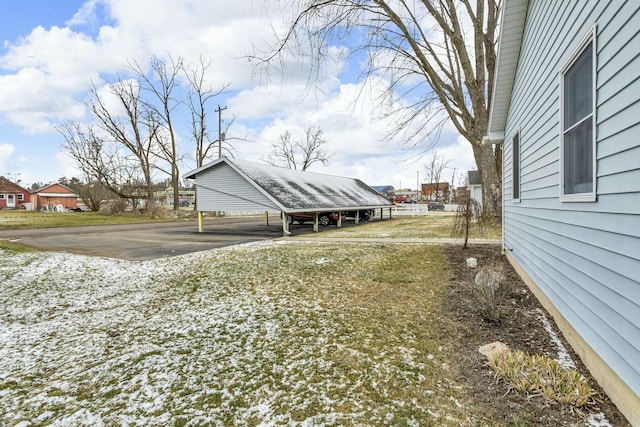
(412, 209)
(401, 209)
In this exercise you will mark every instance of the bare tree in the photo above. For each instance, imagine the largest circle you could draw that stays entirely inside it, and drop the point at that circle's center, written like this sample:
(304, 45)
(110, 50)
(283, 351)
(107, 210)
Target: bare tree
(122, 156)
(92, 193)
(199, 97)
(293, 154)
(161, 82)
(201, 94)
(433, 167)
(440, 53)
(135, 133)
(97, 159)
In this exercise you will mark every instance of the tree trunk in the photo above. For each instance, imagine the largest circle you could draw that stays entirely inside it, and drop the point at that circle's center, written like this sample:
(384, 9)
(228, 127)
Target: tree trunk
(491, 178)
(175, 183)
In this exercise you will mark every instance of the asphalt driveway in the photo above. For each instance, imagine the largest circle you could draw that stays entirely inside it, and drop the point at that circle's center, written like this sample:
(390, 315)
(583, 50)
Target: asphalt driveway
(153, 240)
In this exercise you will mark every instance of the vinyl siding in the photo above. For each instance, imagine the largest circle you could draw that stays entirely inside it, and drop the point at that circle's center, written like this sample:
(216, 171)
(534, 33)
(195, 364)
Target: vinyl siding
(221, 188)
(584, 256)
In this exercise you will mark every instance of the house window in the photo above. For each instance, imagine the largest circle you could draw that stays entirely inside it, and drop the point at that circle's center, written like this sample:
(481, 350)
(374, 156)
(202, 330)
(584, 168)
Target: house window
(1, 196)
(578, 122)
(20, 196)
(515, 150)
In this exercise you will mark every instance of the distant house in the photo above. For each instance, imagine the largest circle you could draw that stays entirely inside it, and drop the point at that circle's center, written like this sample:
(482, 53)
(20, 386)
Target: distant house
(12, 196)
(566, 108)
(243, 186)
(53, 196)
(475, 186)
(436, 191)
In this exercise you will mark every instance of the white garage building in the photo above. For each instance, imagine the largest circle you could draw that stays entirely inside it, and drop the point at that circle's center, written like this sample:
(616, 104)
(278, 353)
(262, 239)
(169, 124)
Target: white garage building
(240, 185)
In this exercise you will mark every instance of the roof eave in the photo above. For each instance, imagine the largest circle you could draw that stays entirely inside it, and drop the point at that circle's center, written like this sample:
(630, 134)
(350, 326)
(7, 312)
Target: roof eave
(337, 209)
(192, 174)
(514, 15)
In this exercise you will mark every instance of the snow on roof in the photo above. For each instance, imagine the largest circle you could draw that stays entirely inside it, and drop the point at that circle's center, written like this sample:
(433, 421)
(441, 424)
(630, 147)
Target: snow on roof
(294, 189)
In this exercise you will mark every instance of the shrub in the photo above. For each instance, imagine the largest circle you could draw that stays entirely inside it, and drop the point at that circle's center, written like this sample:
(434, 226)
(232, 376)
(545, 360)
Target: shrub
(491, 290)
(468, 213)
(541, 376)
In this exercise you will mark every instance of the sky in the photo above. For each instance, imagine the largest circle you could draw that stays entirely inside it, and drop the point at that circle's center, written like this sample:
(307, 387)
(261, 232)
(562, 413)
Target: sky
(52, 52)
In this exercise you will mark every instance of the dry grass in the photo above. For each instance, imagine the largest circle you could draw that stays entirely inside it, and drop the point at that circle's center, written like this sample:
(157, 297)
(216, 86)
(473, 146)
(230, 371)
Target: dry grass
(437, 225)
(318, 334)
(30, 219)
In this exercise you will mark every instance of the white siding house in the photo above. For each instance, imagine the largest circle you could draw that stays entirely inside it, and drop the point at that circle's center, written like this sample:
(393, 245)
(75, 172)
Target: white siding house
(566, 106)
(475, 186)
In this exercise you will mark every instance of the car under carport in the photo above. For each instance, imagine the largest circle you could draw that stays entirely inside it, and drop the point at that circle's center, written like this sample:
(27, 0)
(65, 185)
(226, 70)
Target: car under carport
(242, 186)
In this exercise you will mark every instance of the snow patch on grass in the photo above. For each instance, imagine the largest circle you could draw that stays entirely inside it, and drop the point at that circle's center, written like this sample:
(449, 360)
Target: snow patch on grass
(225, 337)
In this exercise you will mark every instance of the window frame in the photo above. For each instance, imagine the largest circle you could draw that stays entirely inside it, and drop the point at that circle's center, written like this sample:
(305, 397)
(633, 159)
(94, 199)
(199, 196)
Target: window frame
(20, 197)
(589, 40)
(516, 168)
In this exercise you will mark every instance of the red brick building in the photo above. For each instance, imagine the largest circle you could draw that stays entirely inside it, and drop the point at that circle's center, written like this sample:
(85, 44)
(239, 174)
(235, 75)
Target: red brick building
(54, 195)
(12, 196)
(433, 191)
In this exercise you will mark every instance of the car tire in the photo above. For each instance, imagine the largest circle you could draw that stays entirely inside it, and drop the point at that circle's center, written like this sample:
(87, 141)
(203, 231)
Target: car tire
(324, 220)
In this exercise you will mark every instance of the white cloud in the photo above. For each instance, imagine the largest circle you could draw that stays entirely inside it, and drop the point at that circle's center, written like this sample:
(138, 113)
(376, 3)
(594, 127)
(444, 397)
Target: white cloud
(6, 151)
(67, 165)
(54, 68)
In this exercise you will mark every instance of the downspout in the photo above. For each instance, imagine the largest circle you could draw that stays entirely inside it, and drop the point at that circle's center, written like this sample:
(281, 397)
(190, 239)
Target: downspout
(285, 225)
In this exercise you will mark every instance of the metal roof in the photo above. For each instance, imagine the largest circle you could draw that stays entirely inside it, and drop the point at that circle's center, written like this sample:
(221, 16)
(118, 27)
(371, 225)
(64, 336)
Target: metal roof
(294, 191)
(514, 14)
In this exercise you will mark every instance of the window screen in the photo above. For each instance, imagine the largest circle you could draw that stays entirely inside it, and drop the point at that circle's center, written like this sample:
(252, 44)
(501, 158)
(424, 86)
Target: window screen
(516, 165)
(577, 148)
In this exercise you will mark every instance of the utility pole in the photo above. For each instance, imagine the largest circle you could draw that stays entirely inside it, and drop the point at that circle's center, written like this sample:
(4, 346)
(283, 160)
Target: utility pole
(220, 133)
(453, 185)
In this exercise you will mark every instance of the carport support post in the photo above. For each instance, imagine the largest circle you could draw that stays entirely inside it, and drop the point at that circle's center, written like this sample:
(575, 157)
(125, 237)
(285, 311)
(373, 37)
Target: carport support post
(315, 222)
(200, 229)
(285, 224)
(266, 217)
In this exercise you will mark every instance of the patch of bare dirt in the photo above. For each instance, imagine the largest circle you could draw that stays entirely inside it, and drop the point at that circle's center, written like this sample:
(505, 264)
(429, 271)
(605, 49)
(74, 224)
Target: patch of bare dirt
(521, 329)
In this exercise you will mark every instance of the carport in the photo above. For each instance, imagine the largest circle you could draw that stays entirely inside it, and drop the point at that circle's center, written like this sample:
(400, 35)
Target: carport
(242, 186)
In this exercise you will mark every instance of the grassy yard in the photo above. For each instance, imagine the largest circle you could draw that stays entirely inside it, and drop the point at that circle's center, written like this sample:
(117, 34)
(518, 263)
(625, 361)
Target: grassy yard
(423, 226)
(324, 334)
(271, 333)
(23, 219)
